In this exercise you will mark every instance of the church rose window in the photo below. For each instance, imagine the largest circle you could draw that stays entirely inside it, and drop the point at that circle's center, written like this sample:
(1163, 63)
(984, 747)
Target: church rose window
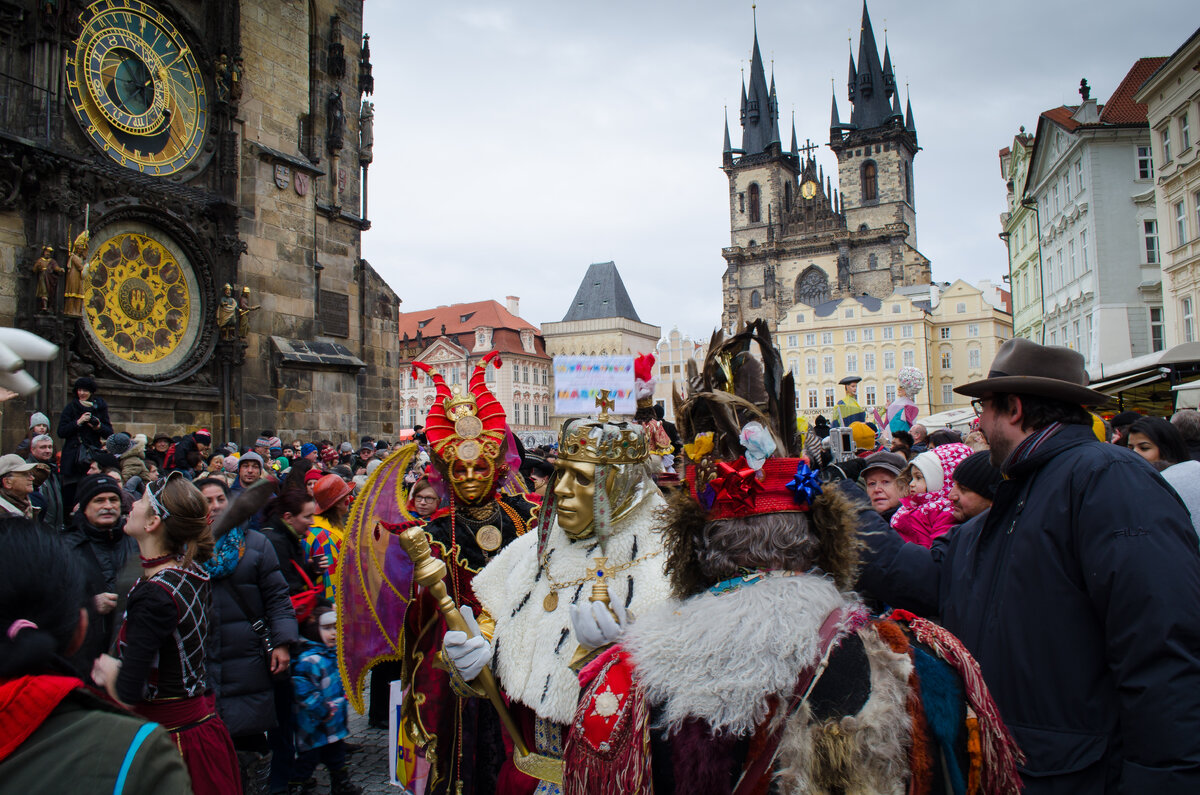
(812, 286)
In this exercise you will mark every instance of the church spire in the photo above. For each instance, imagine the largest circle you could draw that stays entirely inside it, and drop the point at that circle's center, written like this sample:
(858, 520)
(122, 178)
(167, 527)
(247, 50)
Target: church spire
(852, 80)
(835, 121)
(871, 106)
(728, 148)
(909, 124)
(795, 148)
(889, 75)
(760, 110)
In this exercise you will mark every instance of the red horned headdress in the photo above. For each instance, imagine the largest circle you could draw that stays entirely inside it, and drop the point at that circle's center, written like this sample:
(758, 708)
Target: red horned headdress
(466, 429)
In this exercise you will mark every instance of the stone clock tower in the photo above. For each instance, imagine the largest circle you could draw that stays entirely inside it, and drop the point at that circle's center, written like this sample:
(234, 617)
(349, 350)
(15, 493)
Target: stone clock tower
(167, 150)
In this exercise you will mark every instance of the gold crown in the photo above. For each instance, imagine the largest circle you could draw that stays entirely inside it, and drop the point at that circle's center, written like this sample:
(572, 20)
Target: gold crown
(616, 443)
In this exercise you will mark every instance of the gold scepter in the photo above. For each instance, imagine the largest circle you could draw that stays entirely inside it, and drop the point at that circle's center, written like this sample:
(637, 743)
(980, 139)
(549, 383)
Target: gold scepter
(429, 573)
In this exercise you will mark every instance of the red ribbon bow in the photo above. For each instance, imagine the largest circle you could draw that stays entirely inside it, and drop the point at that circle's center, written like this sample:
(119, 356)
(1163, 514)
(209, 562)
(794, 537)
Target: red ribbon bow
(738, 483)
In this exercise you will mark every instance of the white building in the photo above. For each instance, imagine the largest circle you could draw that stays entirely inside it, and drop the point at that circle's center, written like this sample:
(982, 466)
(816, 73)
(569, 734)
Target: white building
(1091, 176)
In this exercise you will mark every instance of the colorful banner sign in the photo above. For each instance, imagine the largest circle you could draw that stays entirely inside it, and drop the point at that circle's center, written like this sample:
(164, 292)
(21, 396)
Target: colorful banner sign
(579, 380)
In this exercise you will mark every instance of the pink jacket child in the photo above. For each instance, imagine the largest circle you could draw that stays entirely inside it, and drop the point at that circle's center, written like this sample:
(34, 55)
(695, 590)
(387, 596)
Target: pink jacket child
(923, 517)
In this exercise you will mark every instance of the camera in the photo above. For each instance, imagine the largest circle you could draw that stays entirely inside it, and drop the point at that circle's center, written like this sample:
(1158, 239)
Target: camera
(841, 444)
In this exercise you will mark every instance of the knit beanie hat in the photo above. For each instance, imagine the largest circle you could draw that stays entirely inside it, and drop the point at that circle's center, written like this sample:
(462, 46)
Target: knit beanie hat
(931, 469)
(977, 474)
(230, 463)
(38, 418)
(106, 460)
(346, 447)
(307, 448)
(313, 474)
(251, 456)
(93, 485)
(864, 437)
(118, 443)
(262, 441)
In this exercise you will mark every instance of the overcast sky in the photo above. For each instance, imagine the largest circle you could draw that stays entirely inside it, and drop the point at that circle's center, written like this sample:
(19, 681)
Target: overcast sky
(517, 142)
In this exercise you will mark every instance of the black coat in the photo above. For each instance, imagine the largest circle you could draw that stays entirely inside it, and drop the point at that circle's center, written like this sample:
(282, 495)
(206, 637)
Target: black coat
(74, 435)
(1079, 595)
(238, 668)
(289, 550)
(110, 565)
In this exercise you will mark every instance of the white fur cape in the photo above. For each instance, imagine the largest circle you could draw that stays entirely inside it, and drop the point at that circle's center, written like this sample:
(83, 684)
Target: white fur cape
(532, 648)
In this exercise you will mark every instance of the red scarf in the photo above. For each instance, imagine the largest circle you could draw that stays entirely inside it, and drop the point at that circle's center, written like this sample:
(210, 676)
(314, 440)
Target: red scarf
(25, 703)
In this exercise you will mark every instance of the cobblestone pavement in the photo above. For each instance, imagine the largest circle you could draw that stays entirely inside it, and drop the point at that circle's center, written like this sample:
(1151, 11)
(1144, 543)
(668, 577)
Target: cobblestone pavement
(369, 762)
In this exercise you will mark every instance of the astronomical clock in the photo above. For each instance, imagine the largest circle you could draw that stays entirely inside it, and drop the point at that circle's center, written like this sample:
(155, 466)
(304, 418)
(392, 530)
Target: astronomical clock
(136, 88)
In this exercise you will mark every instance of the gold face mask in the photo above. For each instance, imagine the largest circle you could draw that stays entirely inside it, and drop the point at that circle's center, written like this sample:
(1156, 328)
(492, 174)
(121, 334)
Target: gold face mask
(575, 493)
(472, 480)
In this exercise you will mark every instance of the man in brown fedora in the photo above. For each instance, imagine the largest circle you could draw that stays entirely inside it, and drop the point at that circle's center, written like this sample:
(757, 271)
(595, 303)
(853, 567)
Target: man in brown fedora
(1078, 592)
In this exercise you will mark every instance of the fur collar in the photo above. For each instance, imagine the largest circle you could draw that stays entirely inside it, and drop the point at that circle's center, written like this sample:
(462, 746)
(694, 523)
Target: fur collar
(532, 648)
(718, 657)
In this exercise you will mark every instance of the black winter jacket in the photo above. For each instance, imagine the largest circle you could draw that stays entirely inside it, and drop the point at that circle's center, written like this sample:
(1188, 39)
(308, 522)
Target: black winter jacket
(1079, 595)
(74, 435)
(289, 549)
(238, 669)
(110, 565)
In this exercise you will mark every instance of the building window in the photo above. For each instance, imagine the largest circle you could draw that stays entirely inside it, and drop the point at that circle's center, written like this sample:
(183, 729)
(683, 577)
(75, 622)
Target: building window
(489, 375)
(906, 331)
(1075, 331)
(793, 340)
(1145, 163)
(895, 309)
(889, 361)
(1053, 336)
(889, 332)
(1054, 194)
(870, 183)
(1156, 328)
(1061, 280)
(828, 363)
(812, 399)
(525, 373)
(1165, 139)
(1088, 351)
(973, 359)
(755, 210)
(851, 335)
(755, 300)
(799, 317)
(1180, 224)
(946, 361)
(851, 363)
(1083, 257)
(947, 394)
(909, 358)
(1078, 176)
(810, 339)
(826, 337)
(869, 362)
(454, 375)
(1066, 182)
(793, 365)
(889, 393)
(1185, 133)
(810, 365)
(872, 262)
(1150, 237)
(972, 329)
(868, 334)
(526, 413)
(849, 313)
(1071, 259)
(1189, 321)
(1196, 202)
(945, 331)
(830, 401)
(537, 414)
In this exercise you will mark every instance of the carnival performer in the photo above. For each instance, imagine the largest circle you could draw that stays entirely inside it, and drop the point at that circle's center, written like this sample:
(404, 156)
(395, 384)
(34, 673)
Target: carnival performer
(902, 412)
(644, 382)
(161, 673)
(598, 529)
(848, 410)
(459, 739)
(763, 674)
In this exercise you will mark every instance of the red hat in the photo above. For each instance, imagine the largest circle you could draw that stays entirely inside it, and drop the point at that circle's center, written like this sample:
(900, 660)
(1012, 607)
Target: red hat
(313, 474)
(782, 485)
(329, 454)
(329, 490)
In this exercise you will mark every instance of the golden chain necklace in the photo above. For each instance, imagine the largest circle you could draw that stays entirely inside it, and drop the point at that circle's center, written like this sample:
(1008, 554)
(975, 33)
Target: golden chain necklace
(551, 600)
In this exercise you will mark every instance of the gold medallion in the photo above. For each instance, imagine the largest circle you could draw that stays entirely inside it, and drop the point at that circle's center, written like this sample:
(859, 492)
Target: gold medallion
(469, 450)
(489, 538)
(550, 603)
(468, 427)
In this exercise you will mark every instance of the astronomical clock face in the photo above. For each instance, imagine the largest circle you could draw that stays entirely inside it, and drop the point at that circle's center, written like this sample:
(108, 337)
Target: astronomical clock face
(136, 88)
(142, 303)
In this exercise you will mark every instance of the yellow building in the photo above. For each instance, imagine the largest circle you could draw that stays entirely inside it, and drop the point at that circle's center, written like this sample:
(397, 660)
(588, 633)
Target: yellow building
(950, 332)
(1172, 97)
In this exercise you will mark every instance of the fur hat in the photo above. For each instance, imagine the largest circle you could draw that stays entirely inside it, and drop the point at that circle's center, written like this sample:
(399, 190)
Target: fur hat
(38, 418)
(85, 382)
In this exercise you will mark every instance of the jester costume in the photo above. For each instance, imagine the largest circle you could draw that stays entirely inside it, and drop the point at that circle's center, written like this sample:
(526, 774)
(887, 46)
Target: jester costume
(457, 740)
(763, 674)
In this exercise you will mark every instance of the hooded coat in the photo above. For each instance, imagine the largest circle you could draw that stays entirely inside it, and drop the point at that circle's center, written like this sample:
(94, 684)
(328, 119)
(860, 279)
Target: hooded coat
(1077, 594)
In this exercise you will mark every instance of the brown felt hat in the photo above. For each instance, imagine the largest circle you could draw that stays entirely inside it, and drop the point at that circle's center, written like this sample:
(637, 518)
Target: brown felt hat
(1023, 367)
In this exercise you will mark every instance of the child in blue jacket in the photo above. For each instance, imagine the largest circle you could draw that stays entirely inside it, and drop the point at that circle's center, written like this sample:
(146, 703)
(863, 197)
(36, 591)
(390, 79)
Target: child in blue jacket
(320, 708)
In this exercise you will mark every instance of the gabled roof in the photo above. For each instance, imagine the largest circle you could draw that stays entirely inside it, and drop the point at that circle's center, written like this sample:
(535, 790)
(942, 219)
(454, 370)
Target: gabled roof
(601, 294)
(459, 318)
(1063, 116)
(1121, 109)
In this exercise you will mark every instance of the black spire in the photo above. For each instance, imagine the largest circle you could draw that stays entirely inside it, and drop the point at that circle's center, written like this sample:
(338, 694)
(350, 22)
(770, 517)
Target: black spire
(909, 124)
(760, 113)
(889, 75)
(870, 97)
(728, 149)
(852, 80)
(795, 149)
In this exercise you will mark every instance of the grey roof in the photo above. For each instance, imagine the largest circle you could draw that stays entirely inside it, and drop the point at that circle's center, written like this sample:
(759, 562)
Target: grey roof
(601, 294)
(865, 301)
(828, 308)
(875, 84)
(760, 108)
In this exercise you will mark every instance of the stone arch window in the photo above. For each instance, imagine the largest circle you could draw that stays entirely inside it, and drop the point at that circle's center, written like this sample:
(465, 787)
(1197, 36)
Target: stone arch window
(755, 300)
(870, 181)
(812, 286)
(872, 262)
(755, 204)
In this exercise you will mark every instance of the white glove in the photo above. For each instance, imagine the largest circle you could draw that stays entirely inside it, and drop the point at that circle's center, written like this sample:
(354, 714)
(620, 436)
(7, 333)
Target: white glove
(594, 624)
(469, 653)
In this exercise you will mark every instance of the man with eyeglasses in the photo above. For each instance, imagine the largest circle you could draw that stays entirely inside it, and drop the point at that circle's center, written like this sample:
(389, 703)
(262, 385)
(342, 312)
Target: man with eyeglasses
(1076, 592)
(16, 484)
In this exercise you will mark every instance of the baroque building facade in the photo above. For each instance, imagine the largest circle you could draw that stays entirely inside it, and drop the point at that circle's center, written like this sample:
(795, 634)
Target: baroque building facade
(1090, 182)
(200, 144)
(453, 339)
(1018, 232)
(795, 239)
(674, 352)
(1172, 98)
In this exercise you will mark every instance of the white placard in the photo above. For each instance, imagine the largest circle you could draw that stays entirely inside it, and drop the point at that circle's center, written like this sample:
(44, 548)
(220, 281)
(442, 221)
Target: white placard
(579, 379)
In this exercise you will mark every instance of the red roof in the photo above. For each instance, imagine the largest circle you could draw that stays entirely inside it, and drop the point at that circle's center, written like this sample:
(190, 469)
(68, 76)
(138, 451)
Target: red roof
(460, 318)
(1005, 151)
(1120, 108)
(1062, 116)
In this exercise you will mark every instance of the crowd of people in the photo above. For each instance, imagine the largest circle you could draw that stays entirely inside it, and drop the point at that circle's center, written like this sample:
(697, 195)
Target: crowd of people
(169, 605)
